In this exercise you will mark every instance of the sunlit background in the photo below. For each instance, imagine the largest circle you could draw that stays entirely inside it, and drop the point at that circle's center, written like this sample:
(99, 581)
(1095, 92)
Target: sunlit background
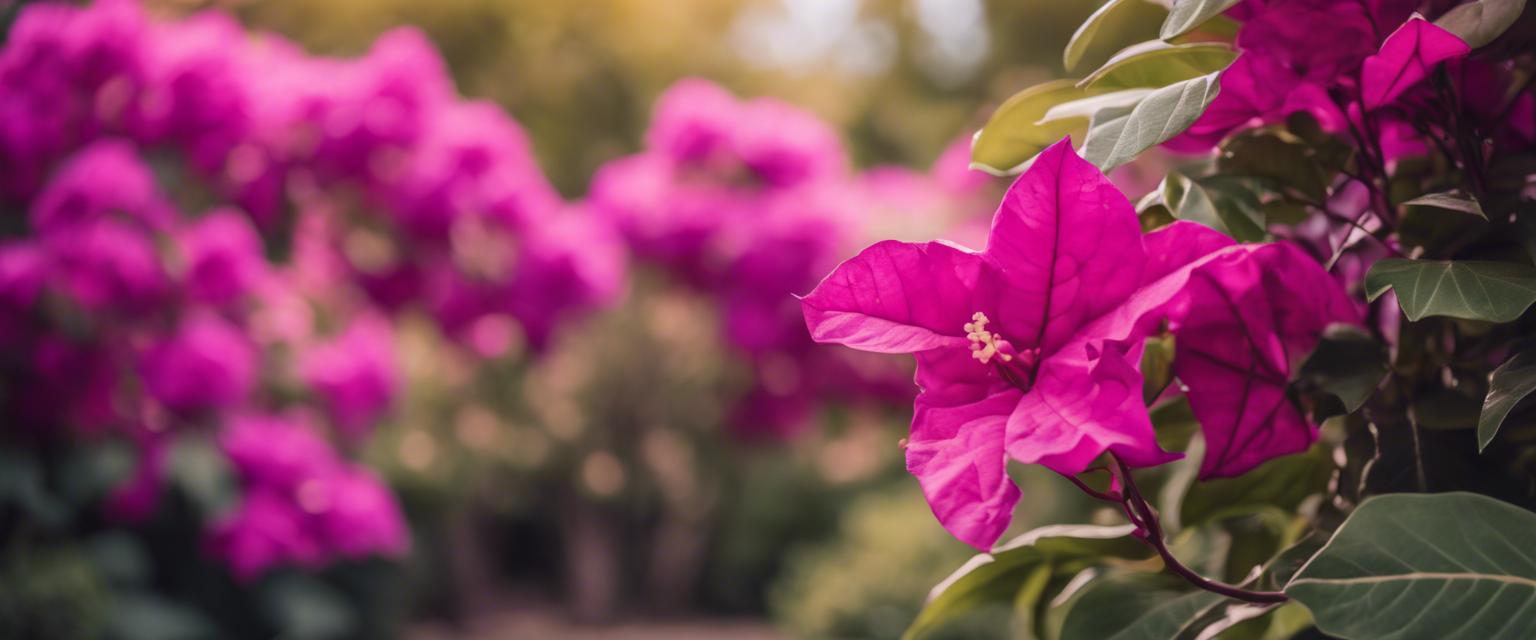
(664, 461)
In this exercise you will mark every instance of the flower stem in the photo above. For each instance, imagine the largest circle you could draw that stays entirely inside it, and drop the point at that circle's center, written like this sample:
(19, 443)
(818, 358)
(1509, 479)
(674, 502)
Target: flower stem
(1151, 531)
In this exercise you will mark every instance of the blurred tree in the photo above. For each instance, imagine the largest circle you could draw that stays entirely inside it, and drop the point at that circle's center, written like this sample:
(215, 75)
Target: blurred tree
(902, 77)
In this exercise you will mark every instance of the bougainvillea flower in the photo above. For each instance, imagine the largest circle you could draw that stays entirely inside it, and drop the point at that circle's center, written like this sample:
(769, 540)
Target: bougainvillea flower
(275, 451)
(1241, 323)
(1030, 349)
(355, 514)
(268, 530)
(1320, 39)
(1257, 89)
(104, 180)
(354, 374)
(1407, 57)
(224, 259)
(208, 364)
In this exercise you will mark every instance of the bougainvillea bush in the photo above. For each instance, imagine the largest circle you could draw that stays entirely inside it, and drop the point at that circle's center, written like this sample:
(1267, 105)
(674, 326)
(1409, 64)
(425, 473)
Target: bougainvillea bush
(208, 236)
(1293, 373)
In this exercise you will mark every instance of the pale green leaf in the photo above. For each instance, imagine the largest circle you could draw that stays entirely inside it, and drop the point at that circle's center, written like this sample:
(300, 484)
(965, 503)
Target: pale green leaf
(1110, 28)
(1480, 23)
(1086, 107)
(1186, 15)
(1157, 64)
(1509, 384)
(1116, 136)
(1449, 566)
(1466, 289)
(1015, 134)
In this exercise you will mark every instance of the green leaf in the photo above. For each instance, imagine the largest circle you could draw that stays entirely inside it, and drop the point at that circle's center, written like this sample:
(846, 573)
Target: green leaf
(1186, 15)
(1348, 363)
(1480, 23)
(1509, 384)
(1125, 21)
(1281, 159)
(1218, 202)
(198, 469)
(1134, 607)
(308, 609)
(1470, 290)
(1156, 367)
(1279, 484)
(1175, 424)
(1156, 64)
(1015, 134)
(1087, 107)
(143, 616)
(1116, 135)
(1450, 201)
(1445, 566)
(999, 577)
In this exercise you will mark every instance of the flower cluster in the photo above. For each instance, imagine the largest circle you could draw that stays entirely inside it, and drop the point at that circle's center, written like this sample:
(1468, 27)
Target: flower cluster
(313, 199)
(749, 201)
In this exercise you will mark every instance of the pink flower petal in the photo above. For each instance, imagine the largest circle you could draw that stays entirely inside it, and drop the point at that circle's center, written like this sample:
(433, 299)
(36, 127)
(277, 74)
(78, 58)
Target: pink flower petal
(1068, 245)
(1241, 322)
(1407, 57)
(896, 297)
(956, 448)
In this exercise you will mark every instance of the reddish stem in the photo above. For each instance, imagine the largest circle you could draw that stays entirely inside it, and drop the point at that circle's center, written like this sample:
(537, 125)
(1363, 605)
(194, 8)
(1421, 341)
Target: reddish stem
(1149, 530)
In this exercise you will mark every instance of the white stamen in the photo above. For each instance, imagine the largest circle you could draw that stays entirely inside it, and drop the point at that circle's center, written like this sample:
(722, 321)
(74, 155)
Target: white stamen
(985, 345)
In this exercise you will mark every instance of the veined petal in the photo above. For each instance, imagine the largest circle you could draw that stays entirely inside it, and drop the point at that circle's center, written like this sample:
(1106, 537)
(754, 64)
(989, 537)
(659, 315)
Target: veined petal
(1239, 324)
(896, 297)
(956, 447)
(1177, 245)
(1067, 245)
(1407, 57)
(1086, 401)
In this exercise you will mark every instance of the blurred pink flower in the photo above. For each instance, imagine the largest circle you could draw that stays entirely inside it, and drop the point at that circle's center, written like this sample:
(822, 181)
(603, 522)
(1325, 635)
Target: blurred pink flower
(275, 451)
(106, 180)
(207, 365)
(268, 530)
(224, 258)
(354, 374)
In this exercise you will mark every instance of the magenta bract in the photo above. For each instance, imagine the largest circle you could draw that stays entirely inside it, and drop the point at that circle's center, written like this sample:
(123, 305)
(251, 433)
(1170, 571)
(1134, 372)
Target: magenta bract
(1030, 349)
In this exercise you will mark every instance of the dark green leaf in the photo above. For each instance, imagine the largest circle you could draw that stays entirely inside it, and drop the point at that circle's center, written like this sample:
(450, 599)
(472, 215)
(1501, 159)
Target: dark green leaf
(1282, 483)
(1348, 363)
(1470, 290)
(141, 616)
(1116, 136)
(198, 469)
(307, 609)
(1282, 160)
(1219, 202)
(1134, 607)
(1111, 28)
(999, 577)
(1014, 134)
(1446, 566)
(1175, 424)
(1155, 65)
(1480, 23)
(1509, 384)
(1186, 15)
(1450, 201)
